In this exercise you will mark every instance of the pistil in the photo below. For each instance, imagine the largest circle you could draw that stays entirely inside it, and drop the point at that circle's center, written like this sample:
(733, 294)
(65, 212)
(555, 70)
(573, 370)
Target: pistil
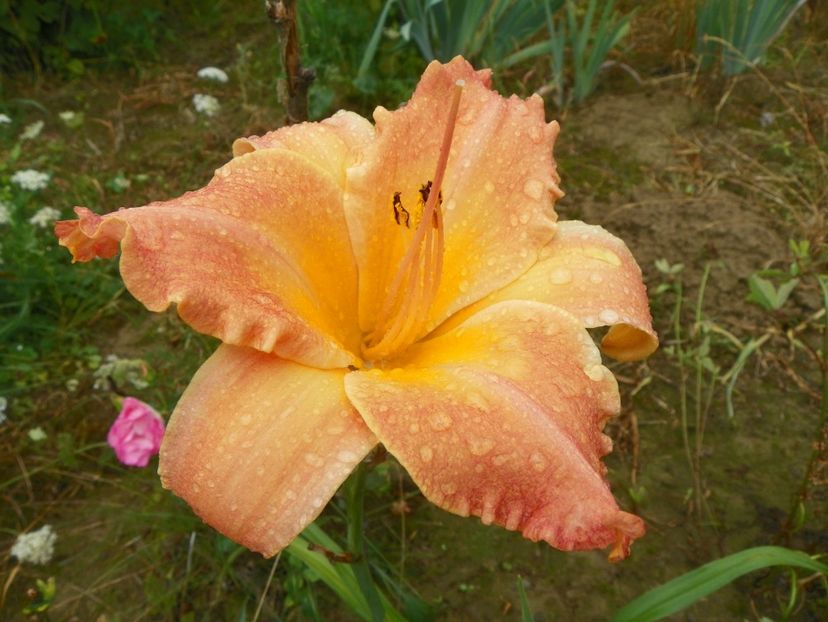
(404, 312)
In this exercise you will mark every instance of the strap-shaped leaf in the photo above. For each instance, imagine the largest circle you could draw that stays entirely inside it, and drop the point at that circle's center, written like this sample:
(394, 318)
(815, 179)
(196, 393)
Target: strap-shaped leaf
(683, 591)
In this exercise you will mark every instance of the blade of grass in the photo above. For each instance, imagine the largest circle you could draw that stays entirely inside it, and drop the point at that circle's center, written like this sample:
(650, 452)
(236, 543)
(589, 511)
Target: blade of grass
(685, 590)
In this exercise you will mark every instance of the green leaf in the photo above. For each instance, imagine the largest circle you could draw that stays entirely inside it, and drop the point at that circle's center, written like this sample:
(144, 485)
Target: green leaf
(685, 590)
(525, 612)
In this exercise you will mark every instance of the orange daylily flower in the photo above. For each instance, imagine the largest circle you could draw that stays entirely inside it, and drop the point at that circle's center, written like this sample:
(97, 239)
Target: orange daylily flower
(403, 283)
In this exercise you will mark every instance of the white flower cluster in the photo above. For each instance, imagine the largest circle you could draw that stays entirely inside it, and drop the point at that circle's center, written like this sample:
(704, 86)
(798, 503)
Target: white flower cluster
(36, 547)
(30, 179)
(206, 104)
(5, 213)
(32, 131)
(44, 217)
(4, 403)
(213, 73)
(4, 119)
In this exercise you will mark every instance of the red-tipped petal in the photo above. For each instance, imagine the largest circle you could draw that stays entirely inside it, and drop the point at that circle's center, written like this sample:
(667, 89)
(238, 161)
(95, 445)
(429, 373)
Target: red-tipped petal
(258, 445)
(260, 257)
(501, 418)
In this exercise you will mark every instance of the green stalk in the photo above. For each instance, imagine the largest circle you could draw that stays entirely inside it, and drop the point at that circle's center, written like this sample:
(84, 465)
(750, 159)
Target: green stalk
(821, 435)
(355, 500)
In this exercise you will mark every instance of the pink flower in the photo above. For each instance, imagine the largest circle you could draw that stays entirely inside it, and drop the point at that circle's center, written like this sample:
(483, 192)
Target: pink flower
(136, 434)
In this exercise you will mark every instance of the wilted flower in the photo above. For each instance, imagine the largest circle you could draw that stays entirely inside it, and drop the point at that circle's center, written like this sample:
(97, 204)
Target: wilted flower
(30, 179)
(206, 104)
(404, 283)
(4, 119)
(136, 434)
(31, 131)
(212, 73)
(44, 217)
(5, 213)
(36, 547)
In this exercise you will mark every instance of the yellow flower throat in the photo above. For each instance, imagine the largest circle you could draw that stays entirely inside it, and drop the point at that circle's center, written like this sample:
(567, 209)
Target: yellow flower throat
(404, 313)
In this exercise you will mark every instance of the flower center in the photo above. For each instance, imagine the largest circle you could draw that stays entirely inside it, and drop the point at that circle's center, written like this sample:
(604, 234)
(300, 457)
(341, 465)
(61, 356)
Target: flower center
(404, 312)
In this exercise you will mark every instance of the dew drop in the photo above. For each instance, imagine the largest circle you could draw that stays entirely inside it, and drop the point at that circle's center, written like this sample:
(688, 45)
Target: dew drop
(440, 421)
(535, 133)
(488, 186)
(464, 286)
(480, 446)
(524, 218)
(176, 235)
(426, 453)
(346, 456)
(560, 276)
(451, 204)
(245, 419)
(594, 372)
(313, 460)
(608, 316)
(596, 278)
(533, 189)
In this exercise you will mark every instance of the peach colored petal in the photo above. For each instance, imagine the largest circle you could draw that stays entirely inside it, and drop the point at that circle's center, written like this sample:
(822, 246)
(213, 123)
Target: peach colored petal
(498, 194)
(328, 144)
(592, 274)
(501, 418)
(259, 257)
(258, 445)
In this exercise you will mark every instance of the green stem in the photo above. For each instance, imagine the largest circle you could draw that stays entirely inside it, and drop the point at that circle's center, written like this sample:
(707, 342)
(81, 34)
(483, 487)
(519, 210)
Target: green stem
(821, 435)
(355, 498)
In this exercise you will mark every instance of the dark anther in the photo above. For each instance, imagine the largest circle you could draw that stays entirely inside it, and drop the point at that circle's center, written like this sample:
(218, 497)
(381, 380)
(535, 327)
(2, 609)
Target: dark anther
(425, 190)
(401, 215)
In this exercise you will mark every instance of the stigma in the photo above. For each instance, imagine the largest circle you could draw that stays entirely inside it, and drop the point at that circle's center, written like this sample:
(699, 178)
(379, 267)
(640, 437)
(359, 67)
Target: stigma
(404, 313)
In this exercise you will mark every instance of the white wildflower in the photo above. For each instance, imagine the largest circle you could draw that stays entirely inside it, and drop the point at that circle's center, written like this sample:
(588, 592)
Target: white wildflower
(32, 131)
(4, 119)
(5, 213)
(213, 73)
(37, 434)
(206, 104)
(36, 547)
(4, 403)
(766, 118)
(44, 217)
(30, 179)
(71, 118)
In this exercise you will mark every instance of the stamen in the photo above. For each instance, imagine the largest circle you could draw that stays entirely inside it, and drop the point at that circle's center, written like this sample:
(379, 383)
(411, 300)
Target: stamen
(412, 292)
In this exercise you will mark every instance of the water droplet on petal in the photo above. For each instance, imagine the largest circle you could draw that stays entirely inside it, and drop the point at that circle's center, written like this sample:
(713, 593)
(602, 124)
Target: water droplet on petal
(608, 316)
(560, 276)
(594, 372)
(426, 453)
(533, 189)
(488, 186)
(440, 421)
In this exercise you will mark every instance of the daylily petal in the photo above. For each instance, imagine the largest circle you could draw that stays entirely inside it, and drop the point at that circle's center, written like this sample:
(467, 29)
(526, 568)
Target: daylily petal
(259, 257)
(257, 445)
(333, 144)
(501, 418)
(592, 274)
(500, 185)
